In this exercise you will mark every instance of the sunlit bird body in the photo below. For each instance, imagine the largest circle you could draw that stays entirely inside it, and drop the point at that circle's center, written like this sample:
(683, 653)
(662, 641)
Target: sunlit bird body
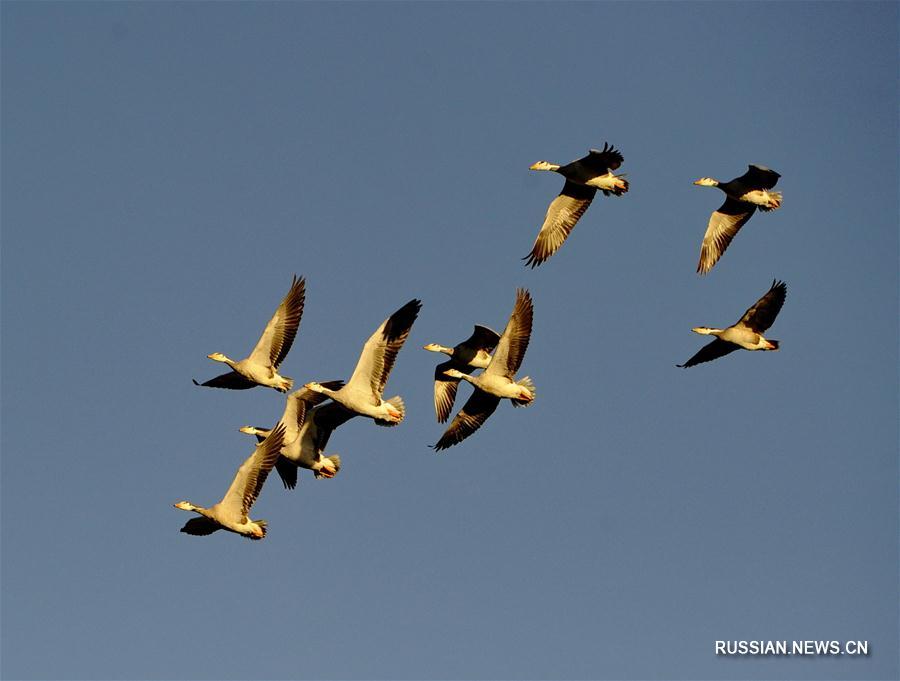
(473, 353)
(747, 332)
(307, 430)
(261, 367)
(363, 392)
(583, 178)
(743, 195)
(232, 512)
(497, 381)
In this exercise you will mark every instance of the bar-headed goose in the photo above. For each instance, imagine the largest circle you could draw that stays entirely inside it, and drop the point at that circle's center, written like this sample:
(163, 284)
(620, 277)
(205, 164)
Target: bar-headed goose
(743, 195)
(583, 178)
(308, 425)
(231, 513)
(473, 353)
(363, 392)
(498, 379)
(747, 332)
(261, 367)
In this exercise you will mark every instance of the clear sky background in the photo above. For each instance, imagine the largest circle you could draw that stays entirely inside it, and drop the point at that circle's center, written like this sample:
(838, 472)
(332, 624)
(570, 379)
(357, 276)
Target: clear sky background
(167, 167)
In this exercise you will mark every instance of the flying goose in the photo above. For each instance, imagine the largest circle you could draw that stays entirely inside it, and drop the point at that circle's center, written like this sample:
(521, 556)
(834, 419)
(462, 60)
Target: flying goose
(743, 195)
(583, 178)
(261, 367)
(363, 392)
(747, 332)
(472, 353)
(307, 429)
(498, 379)
(231, 513)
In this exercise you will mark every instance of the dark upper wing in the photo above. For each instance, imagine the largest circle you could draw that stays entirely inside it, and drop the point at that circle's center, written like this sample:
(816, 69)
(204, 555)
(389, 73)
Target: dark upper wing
(279, 334)
(327, 418)
(445, 388)
(514, 342)
(562, 216)
(603, 160)
(723, 225)
(200, 526)
(287, 471)
(232, 380)
(718, 348)
(469, 419)
(763, 312)
(482, 338)
(759, 177)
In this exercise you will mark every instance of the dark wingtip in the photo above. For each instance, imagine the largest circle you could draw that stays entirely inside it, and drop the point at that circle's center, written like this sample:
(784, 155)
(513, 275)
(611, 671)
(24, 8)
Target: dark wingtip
(194, 381)
(531, 261)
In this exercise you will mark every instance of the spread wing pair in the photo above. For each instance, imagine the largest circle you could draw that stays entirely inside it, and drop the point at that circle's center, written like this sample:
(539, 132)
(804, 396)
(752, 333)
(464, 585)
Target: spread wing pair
(261, 366)
(498, 379)
(583, 178)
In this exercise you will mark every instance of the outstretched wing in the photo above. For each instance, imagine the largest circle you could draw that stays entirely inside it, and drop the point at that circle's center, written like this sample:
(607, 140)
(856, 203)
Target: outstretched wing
(482, 338)
(758, 177)
(474, 413)
(723, 225)
(327, 418)
(380, 351)
(603, 160)
(232, 381)
(763, 312)
(514, 342)
(279, 334)
(293, 417)
(710, 351)
(445, 388)
(287, 471)
(200, 526)
(563, 214)
(252, 474)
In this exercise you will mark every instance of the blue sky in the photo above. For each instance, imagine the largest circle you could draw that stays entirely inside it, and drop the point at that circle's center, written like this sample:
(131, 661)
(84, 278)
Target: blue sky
(167, 167)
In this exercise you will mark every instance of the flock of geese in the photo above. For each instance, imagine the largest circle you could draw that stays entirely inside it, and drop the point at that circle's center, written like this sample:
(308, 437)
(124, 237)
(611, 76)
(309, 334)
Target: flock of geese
(312, 413)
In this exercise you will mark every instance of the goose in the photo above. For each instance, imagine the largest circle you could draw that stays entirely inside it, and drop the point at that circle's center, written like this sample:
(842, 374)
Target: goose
(363, 392)
(583, 178)
(261, 367)
(472, 353)
(307, 429)
(747, 332)
(231, 513)
(743, 195)
(497, 381)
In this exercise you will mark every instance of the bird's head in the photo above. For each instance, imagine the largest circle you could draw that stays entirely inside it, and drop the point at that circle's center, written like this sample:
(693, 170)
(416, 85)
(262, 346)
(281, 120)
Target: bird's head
(707, 182)
(217, 357)
(705, 330)
(184, 505)
(543, 165)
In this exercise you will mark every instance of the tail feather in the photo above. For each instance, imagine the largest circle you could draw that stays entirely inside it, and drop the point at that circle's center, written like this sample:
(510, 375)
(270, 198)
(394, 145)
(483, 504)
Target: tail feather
(525, 382)
(774, 201)
(617, 191)
(262, 525)
(335, 461)
(397, 403)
